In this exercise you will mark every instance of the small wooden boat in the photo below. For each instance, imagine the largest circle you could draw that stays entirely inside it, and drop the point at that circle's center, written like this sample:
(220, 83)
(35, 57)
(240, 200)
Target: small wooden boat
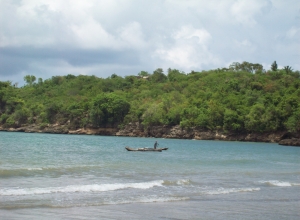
(146, 149)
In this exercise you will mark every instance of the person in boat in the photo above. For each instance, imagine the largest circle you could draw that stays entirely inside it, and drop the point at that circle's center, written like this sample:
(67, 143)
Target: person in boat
(155, 144)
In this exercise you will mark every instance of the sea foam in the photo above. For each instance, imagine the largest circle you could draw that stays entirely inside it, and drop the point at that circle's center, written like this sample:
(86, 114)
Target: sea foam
(35, 168)
(230, 190)
(148, 200)
(279, 183)
(176, 182)
(79, 188)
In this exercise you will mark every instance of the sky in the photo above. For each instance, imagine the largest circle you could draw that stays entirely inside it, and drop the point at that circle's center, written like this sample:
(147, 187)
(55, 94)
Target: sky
(48, 38)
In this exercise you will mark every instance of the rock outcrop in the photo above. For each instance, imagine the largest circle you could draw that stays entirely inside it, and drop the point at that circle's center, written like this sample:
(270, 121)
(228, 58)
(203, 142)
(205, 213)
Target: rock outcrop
(290, 142)
(136, 130)
(62, 129)
(176, 132)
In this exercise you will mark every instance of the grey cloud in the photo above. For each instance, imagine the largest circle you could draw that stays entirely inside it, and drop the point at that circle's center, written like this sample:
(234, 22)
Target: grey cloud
(42, 41)
(10, 65)
(17, 62)
(76, 57)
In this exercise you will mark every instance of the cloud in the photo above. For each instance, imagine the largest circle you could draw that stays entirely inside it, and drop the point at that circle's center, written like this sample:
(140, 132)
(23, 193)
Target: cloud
(246, 46)
(189, 32)
(245, 12)
(131, 36)
(92, 35)
(189, 49)
(100, 37)
(293, 33)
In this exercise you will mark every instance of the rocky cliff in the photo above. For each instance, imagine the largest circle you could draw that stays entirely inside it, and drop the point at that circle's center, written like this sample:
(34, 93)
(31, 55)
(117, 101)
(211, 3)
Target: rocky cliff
(176, 132)
(137, 130)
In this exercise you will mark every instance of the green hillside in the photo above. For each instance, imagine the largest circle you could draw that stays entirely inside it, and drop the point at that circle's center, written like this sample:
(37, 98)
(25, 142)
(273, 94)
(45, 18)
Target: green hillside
(241, 98)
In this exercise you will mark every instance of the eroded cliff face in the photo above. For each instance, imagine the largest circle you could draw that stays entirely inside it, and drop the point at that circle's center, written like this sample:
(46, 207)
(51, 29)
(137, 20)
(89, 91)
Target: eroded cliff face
(62, 129)
(176, 132)
(135, 129)
(290, 142)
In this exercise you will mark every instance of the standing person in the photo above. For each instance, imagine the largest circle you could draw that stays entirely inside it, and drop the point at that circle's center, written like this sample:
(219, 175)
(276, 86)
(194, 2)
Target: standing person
(155, 145)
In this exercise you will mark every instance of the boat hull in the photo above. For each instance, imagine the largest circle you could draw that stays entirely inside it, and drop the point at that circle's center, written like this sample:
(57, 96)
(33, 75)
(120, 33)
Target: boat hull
(146, 149)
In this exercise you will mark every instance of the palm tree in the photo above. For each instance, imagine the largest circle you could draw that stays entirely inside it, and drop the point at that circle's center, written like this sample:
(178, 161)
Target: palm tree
(288, 69)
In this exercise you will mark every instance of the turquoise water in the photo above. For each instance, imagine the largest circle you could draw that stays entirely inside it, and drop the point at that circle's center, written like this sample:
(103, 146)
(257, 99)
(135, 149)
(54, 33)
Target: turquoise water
(49, 176)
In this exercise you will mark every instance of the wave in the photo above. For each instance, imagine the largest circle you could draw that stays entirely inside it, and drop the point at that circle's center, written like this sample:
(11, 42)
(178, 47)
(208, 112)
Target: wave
(79, 188)
(230, 190)
(279, 183)
(177, 182)
(151, 199)
(30, 171)
(35, 168)
(5, 173)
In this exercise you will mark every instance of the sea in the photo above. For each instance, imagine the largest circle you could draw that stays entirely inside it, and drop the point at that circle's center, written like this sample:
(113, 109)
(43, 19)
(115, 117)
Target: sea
(59, 176)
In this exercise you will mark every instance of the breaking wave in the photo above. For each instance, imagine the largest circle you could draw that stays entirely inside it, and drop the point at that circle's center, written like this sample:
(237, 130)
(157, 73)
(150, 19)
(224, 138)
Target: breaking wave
(56, 171)
(279, 183)
(149, 200)
(66, 204)
(177, 182)
(230, 190)
(79, 188)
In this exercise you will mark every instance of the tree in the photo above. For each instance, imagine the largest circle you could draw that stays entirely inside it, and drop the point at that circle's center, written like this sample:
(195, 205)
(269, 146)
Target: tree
(232, 121)
(288, 69)
(143, 73)
(293, 122)
(29, 79)
(56, 80)
(70, 76)
(51, 111)
(40, 81)
(254, 120)
(153, 115)
(113, 76)
(274, 66)
(175, 75)
(233, 100)
(246, 66)
(108, 109)
(158, 76)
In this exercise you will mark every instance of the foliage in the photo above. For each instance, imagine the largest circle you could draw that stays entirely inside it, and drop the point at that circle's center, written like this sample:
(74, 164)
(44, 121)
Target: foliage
(29, 79)
(245, 66)
(274, 66)
(108, 109)
(240, 98)
(288, 69)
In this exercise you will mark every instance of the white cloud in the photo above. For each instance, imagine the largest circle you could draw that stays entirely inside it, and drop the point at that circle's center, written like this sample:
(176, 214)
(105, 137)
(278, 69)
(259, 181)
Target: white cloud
(92, 35)
(189, 50)
(180, 56)
(189, 32)
(67, 24)
(246, 46)
(134, 35)
(245, 11)
(293, 33)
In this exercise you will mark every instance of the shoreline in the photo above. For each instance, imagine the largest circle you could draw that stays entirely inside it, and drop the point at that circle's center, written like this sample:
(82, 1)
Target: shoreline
(172, 132)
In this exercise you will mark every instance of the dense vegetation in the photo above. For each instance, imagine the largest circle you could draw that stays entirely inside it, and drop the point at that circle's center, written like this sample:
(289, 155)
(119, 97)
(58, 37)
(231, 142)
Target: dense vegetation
(241, 98)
